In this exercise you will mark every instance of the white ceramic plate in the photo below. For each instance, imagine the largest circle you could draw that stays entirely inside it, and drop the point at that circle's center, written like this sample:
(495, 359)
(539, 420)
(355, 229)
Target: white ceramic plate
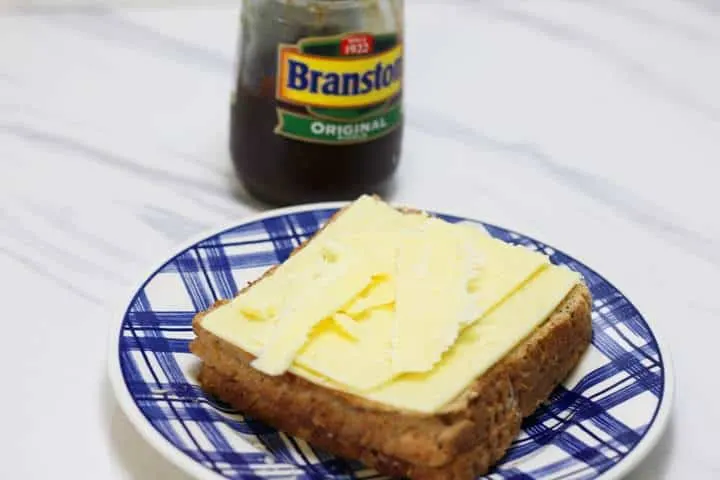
(599, 424)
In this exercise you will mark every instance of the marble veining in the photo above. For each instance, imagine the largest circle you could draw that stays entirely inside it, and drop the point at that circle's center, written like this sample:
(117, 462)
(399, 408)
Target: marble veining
(623, 201)
(613, 54)
(591, 125)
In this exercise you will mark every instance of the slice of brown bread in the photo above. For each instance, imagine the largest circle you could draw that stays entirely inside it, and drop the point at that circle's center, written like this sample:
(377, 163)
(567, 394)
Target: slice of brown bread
(463, 440)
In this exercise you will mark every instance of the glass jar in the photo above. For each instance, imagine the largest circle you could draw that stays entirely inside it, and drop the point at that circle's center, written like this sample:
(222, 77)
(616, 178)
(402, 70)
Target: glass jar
(317, 108)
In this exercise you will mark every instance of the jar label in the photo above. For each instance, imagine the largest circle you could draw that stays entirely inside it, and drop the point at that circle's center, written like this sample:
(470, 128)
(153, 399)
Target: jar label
(339, 90)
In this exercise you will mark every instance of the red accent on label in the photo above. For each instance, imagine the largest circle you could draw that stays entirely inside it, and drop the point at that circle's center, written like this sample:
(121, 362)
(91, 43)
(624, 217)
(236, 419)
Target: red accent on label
(357, 44)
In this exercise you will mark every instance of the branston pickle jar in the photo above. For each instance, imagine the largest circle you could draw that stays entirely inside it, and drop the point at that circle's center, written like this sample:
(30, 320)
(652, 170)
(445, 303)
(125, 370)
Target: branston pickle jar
(317, 109)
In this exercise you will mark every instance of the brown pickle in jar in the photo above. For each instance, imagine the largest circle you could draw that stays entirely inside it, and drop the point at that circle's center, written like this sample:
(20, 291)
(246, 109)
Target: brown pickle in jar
(317, 109)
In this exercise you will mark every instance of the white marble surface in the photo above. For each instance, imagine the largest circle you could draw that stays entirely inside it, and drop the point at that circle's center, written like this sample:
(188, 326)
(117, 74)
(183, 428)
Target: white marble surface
(593, 125)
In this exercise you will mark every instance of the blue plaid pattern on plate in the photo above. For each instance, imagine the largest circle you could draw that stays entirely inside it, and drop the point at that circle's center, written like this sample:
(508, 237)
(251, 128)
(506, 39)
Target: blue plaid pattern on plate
(591, 423)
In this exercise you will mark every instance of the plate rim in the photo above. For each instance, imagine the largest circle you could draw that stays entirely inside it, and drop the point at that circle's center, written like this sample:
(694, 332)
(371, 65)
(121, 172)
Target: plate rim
(184, 462)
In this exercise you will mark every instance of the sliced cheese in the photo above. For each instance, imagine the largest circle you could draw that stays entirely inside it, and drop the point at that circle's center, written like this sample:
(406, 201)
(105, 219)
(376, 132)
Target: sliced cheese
(505, 268)
(315, 301)
(341, 313)
(268, 296)
(358, 364)
(231, 325)
(430, 296)
(477, 349)
(480, 346)
(510, 266)
(448, 277)
(354, 359)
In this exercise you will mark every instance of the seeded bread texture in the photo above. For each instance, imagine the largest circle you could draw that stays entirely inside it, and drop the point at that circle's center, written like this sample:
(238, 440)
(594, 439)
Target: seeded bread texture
(463, 440)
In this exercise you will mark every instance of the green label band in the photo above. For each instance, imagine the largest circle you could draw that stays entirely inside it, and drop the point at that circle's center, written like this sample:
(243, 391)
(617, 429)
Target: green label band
(317, 130)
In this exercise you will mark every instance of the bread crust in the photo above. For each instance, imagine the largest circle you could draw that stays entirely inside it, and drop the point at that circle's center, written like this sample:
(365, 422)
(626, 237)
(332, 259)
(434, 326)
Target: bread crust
(463, 440)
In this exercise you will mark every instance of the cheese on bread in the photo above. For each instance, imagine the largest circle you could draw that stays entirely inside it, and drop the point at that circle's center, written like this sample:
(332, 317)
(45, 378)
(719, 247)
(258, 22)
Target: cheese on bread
(399, 308)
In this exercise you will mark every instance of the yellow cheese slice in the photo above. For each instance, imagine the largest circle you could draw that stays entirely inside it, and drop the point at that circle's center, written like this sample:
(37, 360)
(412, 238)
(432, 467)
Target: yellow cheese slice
(449, 276)
(505, 268)
(230, 324)
(507, 265)
(356, 358)
(359, 363)
(346, 267)
(430, 294)
(481, 345)
(267, 297)
(477, 349)
(315, 301)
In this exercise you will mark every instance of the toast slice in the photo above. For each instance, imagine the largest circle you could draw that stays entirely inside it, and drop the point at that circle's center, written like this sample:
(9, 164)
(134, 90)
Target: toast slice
(462, 440)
